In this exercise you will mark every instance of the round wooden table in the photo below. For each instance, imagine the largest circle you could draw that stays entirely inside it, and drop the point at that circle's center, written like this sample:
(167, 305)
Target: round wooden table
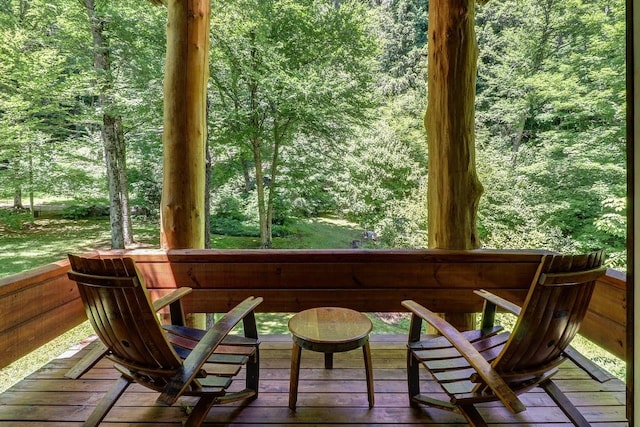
(329, 330)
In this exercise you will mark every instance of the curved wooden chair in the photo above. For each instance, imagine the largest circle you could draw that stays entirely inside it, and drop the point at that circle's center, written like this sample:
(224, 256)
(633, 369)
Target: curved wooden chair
(167, 358)
(490, 364)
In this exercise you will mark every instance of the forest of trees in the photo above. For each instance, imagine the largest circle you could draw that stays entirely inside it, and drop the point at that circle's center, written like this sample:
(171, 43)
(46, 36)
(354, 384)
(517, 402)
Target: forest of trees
(315, 108)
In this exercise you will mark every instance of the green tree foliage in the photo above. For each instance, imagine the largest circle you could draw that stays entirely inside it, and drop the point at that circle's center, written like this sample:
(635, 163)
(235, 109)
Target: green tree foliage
(49, 119)
(288, 76)
(551, 125)
(384, 184)
(402, 27)
(333, 93)
(38, 96)
(130, 92)
(384, 188)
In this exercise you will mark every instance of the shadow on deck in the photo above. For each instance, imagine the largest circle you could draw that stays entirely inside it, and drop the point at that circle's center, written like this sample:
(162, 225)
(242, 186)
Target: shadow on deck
(326, 397)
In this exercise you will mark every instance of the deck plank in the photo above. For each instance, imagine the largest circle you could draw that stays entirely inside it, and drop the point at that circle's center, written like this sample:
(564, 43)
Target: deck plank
(326, 397)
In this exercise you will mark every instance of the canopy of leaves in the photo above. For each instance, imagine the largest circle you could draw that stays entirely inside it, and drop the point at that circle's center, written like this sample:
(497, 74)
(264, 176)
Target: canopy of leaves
(342, 86)
(551, 114)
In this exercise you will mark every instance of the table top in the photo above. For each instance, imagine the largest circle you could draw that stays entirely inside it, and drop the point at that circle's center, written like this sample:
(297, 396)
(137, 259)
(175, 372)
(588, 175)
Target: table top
(330, 325)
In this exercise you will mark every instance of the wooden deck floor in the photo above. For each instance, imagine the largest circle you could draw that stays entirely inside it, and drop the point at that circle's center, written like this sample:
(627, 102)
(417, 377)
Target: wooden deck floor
(326, 397)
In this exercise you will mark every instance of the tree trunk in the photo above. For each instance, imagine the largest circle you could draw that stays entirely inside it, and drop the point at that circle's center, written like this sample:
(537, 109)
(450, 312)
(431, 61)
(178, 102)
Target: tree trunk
(273, 173)
(111, 129)
(185, 89)
(263, 217)
(518, 132)
(256, 147)
(31, 195)
(454, 190)
(17, 198)
(207, 191)
(244, 163)
(123, 183)
(111, 158)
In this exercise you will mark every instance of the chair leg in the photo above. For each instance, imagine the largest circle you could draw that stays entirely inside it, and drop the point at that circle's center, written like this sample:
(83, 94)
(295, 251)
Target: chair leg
(472, 416)
(564, 403)
(413, 378)
(200, 411)
(87, 362)
(107, 402)
(253, 372)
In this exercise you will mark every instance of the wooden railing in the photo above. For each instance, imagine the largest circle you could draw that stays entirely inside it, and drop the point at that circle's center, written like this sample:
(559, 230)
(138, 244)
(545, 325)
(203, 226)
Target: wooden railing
(41, 304)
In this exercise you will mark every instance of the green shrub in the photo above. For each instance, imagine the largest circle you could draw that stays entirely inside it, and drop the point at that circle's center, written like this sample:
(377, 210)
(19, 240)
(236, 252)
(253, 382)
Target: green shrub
(82, 211)
(229, 206)
(233, 227)
(15, 219)
(148, 195)
(282, 230)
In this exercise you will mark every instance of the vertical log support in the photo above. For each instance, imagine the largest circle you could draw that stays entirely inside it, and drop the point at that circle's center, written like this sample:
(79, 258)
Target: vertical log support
(454, 189)
(185, 88)
(453, 186)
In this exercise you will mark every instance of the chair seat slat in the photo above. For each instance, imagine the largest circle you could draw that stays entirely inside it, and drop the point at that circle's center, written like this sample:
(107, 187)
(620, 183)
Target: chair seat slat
(436, 341)
(481, 345)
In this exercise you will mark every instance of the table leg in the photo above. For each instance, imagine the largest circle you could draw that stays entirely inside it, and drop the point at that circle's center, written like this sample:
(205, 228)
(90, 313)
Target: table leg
(366, 350)
(328, 360)
(295, 372)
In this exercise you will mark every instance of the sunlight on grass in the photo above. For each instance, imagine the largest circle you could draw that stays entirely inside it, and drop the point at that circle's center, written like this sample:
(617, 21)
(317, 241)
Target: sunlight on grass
(46, 240)
(273, 323)
(320, 233)
(233, 242)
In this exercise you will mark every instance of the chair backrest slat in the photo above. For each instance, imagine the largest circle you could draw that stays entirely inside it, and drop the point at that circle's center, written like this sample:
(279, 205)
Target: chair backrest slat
(568, 279)
(118, 306)
(552, 313)
(110, 281)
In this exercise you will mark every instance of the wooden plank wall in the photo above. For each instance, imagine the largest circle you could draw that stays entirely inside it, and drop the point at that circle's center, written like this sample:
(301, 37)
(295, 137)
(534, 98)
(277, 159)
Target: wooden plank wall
(375, 280)
(35, 307)
(606, 320)
(39, 305)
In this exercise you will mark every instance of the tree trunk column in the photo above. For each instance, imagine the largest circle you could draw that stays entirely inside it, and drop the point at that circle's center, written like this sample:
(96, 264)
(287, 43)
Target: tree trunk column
(185, 88)
(453, 187)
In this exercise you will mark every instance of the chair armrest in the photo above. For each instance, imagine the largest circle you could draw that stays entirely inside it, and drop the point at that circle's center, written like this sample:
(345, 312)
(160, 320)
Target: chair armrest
(174, 301)
(475, 359)
(500, 302)
(203, 350)
(174, 296)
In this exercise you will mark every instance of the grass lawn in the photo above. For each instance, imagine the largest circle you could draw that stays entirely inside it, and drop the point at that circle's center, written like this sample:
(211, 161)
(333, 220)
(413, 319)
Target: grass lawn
(46, 240)
(43, 241)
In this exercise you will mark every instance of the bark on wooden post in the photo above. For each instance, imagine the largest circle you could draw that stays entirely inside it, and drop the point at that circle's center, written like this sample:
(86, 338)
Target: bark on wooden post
(453, 187)
(185, 89)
